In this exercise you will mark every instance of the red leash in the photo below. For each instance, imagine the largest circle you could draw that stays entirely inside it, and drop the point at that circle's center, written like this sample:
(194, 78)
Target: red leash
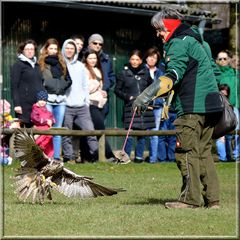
(130, 125)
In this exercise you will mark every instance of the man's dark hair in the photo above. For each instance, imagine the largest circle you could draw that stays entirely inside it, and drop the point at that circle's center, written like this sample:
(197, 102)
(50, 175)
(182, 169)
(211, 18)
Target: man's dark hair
(77, 36)
(226, 88)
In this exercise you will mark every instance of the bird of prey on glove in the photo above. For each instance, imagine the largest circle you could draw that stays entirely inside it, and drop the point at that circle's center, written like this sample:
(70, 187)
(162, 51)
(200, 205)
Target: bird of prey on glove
(38, 174)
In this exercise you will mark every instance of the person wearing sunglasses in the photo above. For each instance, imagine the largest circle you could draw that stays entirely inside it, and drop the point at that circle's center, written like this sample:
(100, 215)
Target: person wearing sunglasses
(223, 58)
(230, 77)
(96, 42)
(228, 74)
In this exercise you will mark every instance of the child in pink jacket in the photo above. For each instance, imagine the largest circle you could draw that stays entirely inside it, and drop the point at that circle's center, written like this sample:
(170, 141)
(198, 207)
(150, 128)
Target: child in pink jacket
(43, 119)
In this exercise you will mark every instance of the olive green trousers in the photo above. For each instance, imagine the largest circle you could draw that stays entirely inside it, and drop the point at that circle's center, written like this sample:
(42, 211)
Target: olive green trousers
(194, 159)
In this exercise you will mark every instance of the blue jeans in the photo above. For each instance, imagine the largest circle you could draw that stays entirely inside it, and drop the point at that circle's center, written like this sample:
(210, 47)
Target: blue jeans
(58, 111)
(224, 148)
(224, 145)
(221, 149)
(139, 149)
(153, 147)
(167, 144)
(236, 148)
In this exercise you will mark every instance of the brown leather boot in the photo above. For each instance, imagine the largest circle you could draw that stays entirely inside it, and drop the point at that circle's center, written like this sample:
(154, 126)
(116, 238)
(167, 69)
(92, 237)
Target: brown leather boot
(213, 205)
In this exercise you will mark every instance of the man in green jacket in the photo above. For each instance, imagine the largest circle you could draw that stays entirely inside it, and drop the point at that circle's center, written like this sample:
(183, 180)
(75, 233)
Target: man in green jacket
(190, 73)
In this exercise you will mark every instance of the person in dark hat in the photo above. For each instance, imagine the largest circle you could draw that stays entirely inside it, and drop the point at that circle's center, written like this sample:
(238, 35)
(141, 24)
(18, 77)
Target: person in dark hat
(42, 95)
(43, 119)
(190, 72)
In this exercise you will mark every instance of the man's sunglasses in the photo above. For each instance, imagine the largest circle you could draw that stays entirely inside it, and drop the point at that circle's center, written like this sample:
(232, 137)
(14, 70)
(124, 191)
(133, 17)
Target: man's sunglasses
(96, 43)
(224, 59)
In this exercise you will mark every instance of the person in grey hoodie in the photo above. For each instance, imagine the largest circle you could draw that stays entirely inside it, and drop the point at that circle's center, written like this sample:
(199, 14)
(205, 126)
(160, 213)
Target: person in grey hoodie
(77, 102)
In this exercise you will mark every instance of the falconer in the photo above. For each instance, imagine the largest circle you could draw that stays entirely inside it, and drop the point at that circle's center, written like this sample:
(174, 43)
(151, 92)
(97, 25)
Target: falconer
(191, 74)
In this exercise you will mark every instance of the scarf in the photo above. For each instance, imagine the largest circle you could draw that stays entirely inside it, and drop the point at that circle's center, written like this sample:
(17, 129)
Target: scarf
(136, 70)
(56, 68)
(171, 25)
(31, 61)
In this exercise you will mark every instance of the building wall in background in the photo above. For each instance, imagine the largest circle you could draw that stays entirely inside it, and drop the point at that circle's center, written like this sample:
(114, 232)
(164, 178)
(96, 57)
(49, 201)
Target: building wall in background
(122, 33)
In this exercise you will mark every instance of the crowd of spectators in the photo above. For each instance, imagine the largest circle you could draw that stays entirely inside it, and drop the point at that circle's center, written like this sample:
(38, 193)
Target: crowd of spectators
(72, 83)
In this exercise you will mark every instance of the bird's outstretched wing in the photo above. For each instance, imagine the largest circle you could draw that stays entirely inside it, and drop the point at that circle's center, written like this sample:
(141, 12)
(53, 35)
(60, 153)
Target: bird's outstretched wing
(27, 151)
(39, 174)
(73, 185)
(29, 181)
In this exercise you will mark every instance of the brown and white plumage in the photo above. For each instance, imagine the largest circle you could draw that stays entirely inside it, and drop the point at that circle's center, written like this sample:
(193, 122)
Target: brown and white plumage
(39, 174)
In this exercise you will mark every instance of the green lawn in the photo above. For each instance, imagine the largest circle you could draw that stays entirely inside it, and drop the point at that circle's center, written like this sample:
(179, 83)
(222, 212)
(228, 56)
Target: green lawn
(137, 212)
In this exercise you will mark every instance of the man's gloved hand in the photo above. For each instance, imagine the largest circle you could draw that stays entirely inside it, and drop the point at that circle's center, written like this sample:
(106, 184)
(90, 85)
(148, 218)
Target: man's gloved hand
(165, 111)
(166, 106)
(156, 89)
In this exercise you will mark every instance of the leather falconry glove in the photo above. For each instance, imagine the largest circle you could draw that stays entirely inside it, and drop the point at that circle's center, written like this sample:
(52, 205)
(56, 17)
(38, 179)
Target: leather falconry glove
(156, 89)
(167, 105)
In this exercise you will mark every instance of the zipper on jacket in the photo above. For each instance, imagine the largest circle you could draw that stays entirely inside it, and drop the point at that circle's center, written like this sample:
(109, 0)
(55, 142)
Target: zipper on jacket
(139, 92)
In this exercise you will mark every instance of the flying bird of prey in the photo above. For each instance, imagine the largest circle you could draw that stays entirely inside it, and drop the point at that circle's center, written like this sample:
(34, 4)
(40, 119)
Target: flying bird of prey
(38, 174)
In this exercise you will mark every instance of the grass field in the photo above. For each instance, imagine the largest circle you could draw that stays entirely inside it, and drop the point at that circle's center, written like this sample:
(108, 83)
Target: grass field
(137, 213)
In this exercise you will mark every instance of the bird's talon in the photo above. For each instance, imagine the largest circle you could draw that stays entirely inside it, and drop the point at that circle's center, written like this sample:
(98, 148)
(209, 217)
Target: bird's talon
(43, 178)
(52, 184)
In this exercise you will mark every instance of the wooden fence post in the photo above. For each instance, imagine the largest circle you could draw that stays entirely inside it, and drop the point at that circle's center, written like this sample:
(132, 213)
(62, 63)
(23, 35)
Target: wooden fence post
(101, 150)
(11, 146)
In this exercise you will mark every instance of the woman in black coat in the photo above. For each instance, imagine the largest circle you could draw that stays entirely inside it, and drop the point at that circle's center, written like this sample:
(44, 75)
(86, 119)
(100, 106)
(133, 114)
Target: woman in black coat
(131, 81)
(26, 81)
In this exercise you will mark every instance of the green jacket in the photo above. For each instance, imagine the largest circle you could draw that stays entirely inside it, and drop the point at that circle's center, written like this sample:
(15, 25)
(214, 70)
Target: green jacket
(190, 65)
(238, 89)
(229, 77)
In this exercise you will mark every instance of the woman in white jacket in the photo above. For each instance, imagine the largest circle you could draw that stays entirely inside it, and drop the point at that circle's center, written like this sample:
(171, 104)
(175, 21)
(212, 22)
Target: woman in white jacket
(97, 97)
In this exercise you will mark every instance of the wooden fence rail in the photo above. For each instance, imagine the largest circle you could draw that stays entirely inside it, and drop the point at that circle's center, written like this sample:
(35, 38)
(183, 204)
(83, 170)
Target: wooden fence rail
(101, 133)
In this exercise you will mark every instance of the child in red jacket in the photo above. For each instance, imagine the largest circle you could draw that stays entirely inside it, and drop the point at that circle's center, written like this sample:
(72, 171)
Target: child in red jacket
(43, 119)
